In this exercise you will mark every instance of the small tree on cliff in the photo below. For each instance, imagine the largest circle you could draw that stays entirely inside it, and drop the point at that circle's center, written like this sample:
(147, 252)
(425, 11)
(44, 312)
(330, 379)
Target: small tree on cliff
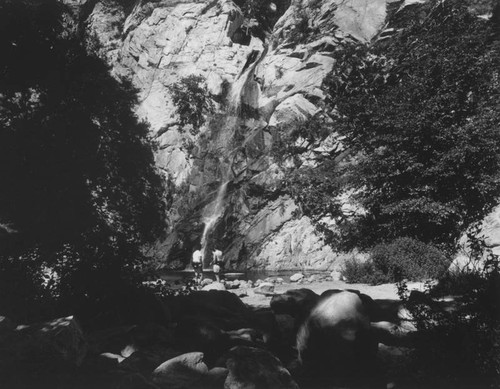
(192, 102)
(79, 189)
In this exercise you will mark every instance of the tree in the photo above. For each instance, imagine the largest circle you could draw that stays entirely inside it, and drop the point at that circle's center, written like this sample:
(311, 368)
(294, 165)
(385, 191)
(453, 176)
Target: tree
(192, 102)
(79, 187)
(420, 118)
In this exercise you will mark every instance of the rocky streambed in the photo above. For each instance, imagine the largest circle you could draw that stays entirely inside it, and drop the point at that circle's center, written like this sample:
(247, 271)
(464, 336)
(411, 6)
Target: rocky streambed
(272, 334)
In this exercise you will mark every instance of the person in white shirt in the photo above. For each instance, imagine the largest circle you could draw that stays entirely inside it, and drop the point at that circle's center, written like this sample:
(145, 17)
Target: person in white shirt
(197, 263)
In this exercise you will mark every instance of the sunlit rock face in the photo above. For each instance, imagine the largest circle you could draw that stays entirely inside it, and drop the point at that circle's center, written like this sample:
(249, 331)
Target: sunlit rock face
(261, 78)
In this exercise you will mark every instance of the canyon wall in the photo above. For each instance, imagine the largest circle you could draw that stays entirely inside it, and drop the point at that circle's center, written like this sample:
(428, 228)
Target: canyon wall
(263, 72)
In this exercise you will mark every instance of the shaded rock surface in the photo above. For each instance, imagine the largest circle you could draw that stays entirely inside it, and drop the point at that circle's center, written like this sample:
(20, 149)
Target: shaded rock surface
(256, 368)
(56, 343)
(184, 371)
(213, 341)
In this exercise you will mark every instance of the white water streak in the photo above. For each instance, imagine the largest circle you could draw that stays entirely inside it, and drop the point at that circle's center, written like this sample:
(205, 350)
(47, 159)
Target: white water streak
(212, 213)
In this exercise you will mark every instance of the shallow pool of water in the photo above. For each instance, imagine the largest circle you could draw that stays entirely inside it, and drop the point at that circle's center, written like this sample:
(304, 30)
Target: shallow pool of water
(249, 275)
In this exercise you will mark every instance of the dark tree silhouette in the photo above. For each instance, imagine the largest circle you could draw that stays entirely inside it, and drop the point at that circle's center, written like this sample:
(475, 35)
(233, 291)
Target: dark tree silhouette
(79, 189)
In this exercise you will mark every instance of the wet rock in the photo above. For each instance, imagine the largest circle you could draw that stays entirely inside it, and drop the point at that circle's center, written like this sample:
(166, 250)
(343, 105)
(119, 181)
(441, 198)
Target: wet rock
(214, 286)
(296, 277)
(265, 288)
(256, 368)
(184, 371)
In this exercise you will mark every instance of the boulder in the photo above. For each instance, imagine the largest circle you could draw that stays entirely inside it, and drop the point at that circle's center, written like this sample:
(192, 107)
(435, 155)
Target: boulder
(216, 377)
(134, 381)
(123, 305)
(201, 334)
(56, 343)
(294, 302)
(141, 362)
(372, 308)
(214, 286)
(222, 308)
(232, 284)
(296, 277)
(265, 288)
(287, 327)
(336, 336)
(256, 368)
(293, 109)
(182, 372)
(110, 358)
(6, 324)
(245, 336)
(129, 339)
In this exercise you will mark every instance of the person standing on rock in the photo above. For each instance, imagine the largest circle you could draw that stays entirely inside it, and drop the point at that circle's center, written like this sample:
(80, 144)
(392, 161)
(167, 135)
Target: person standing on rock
(217, 263)
(197, 263)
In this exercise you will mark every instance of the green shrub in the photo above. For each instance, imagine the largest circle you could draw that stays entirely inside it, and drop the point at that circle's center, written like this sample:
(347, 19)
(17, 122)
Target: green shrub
(363, 272)
(407, 258)
(458, 345)
(404, 258)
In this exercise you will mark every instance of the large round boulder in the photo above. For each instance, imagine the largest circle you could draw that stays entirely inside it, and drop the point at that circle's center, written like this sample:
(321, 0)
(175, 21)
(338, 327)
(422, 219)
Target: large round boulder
(372, 308)
(224, 309)
(336, 336)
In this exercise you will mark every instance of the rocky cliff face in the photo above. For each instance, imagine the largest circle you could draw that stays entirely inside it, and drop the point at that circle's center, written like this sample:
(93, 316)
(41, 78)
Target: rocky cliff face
(264, 72)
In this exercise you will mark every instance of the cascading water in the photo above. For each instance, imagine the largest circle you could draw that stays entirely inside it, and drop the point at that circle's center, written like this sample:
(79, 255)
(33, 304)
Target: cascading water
(236, 94)
(212, 213)
(237, 97)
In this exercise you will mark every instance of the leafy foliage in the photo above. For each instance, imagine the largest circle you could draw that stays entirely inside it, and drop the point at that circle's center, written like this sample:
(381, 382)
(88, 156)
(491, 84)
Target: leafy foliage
(355, 271)
(262, 13)
(420, 119)
(298, 137)
(312, 185)
(407, 258)
(192, 102)
(80, 192)
(459, 345)
(404, 258)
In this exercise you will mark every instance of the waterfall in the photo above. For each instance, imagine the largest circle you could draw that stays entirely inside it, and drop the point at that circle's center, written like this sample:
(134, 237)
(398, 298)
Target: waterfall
(238, 87)
(211, 214)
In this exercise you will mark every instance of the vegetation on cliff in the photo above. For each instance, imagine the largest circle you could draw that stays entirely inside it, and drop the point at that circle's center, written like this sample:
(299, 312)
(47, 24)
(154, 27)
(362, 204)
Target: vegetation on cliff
(418, 115)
